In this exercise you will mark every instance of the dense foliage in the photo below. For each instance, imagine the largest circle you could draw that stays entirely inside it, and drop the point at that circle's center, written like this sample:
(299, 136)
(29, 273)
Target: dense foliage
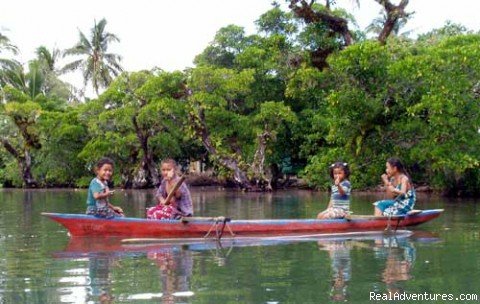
(257, 109)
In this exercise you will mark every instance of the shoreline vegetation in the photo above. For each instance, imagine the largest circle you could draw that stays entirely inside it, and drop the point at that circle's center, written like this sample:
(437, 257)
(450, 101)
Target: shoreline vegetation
(308, 89)
(207, 181)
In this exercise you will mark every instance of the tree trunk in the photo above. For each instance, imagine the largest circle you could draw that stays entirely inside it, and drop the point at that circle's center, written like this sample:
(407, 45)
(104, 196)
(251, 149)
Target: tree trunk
(28, 180)
(147, 173)
(394, 14)
(24, 163)
(258, 165)
(239, 176)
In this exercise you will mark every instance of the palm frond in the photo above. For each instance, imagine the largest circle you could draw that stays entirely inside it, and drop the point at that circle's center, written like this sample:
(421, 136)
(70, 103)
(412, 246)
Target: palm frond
(9, 63)
(72, 66)
(6, 45)
(14, 75)
(35, 79)
(50, 58)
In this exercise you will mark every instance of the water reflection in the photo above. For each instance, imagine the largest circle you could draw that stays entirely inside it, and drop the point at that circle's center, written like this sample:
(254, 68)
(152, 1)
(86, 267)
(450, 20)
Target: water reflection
(341, 264)
(27, 208)
(396, 252)
(175, 263)
(176, 267)
(399, 256)
(339, 252)
(91, 278)
(99, 279)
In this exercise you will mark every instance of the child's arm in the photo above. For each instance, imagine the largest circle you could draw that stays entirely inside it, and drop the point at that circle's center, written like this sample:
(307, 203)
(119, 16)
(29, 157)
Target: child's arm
(159, 194)
(385, 180)
(345, 188)
(176, 191)
(339, 186)
(403, 187)
(388, 186)
(102, 195)
(115, 208)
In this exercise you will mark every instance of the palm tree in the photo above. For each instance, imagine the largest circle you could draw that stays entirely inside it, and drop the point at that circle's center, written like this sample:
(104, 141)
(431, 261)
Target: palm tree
(98, 65)
(29, 82)
(6, 45)
(5, 63)
(48, 59)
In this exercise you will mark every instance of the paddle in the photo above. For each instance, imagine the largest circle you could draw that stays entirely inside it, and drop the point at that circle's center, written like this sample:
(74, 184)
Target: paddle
(174, 189)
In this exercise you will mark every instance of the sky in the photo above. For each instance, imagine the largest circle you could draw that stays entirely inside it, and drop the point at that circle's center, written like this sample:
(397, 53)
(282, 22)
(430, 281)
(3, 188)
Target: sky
(169, 34)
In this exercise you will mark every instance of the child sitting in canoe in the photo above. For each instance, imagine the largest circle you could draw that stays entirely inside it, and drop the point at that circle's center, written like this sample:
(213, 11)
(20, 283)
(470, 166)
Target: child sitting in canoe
(399, 187)
(180, 204)
(98, 203)
(339, 205)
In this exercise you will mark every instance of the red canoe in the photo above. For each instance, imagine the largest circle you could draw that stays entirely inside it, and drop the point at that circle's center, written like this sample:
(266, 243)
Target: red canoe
(86, 225)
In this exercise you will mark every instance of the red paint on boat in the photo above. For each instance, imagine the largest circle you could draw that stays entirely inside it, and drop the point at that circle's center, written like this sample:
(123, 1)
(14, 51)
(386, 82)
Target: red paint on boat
(86, 225)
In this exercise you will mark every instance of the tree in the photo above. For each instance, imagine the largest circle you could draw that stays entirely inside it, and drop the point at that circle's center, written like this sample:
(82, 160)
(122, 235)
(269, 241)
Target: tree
(236, 134)
(416, 101)
(49, 58)
(377, 25)
(63, 136)
(394, 15)
(229, 41)
(5, 45)
(450, 29)
(277, 22)
(52, 86)
(333, 25)
(439, 87)
(137, 121)
(6, 63)
(97, 65)
(25, 98)
(19, 135)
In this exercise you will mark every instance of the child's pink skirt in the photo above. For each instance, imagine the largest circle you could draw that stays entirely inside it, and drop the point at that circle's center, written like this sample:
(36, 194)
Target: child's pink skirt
(161, 212)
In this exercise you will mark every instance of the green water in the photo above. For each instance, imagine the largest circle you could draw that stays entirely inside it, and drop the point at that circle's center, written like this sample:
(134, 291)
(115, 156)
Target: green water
(38, 264)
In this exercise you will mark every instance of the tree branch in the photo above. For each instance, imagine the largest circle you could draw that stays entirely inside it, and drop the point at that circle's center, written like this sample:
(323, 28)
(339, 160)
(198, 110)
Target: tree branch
(336, 25)
(394, 14)
(10, 148)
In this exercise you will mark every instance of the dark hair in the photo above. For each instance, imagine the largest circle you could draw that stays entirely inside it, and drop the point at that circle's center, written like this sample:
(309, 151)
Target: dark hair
(395, 162)
(104, 161)
(341, 165)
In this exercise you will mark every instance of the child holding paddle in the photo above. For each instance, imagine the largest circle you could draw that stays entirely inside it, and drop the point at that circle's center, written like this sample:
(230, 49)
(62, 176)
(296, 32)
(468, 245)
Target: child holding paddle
(339, 205)
(98, 203)
(173, 196)
(399, 186)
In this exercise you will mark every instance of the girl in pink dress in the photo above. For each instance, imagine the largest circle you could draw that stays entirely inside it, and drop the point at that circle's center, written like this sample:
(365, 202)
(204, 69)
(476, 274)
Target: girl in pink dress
(181, 202)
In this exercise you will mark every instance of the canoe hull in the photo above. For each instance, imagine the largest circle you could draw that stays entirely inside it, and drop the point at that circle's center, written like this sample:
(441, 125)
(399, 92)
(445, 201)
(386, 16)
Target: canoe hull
(79, 225)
